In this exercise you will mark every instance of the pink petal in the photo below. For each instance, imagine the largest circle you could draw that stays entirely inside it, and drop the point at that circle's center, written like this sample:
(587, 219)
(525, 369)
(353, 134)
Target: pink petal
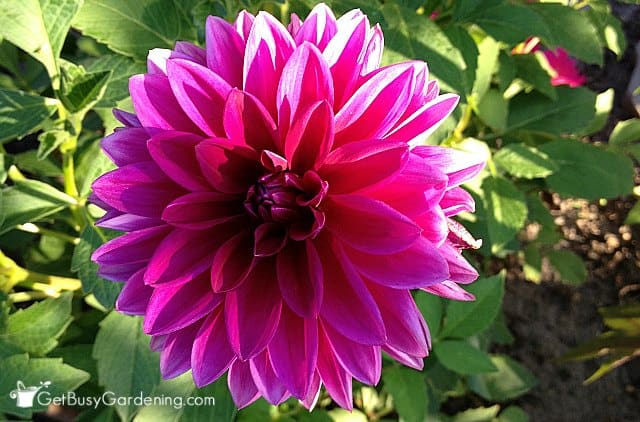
(460, 166)
(309, 139)
(362, 361)
(155, 104)
(243, 389)
(417, 266)
(369, 225)
(361, 164)
(434, 226)
(266, 379)
(415, 362)
(228, 168)
(141, 189)
(225, 50)
(269, 239)
(202, 210)
(232, 263)
(252, 311)
(130, 120)
(243, 24)
(382, 99)
(211, 354)
(200, 92)
(157, 61)
(333, 375)
(300, 278)
(269, 46)
(191, 51)
(373, 51)
(247, 122)
(459, 268)
(311, 399)
(457, 200)
(347, 304)
(137, 246)
(134, 296)
(116, 220)
(175, 357)
(425, 120)
(127, 146)
(173, 307)
(174, 153)
(449, 290)
(318, 28)
(294, 352)
(305, 80)
(406, 329)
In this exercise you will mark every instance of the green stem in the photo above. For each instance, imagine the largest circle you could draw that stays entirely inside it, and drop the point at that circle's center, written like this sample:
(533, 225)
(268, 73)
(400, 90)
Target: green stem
(32, 228)
(458, 132)
(34, 279)
(28, 296)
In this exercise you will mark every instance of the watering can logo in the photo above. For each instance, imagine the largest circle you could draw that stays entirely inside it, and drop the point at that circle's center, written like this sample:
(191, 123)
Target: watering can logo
(24, 395)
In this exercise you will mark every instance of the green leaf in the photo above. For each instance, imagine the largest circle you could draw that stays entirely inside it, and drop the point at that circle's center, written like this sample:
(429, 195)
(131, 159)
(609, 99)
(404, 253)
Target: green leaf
(105, 291)
(413, 36)
(224, 409)
(133, 28)
(510, 381)
(464, 319)
(343, 415)
(462, 358)
(409, 392)
(529, 69)
(609, 29)
(22, 113)
(604, 104)
(50, 141)
(32, 372)
(506, 210)
(625, 132)
(464, 42)
(36, 329)
(118, 86)
(510, 23)
(493, 110)
(80, 90)
(431, 307)
(126, 364)
(180, 388)
(91, 162)
(634, 215)
(487, 64)
(524, 161)
(569, 265)
(479, 414)
(38, 27)
(31, 200)
(586, 171)
(28, 161)
(570, 29)
(532, 266)
(513, 414)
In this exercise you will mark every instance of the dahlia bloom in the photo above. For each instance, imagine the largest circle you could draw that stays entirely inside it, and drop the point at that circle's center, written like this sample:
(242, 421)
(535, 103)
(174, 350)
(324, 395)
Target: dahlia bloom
(276, 210)
(563, 68)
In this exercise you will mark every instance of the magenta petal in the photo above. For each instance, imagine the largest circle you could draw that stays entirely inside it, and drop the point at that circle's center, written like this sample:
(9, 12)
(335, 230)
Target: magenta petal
(183, 255)
(266, 380)
(134, 296)
(202, 210)
(192, 52)
(425, 120)
(137, 246)
(434, 226)
(225, 50)
(417, 266)
(173, 307)
(252, 311)
(200, 92)
(117, 220)
(347, 304)
(174, 153)
(228, 168)
(335, 378)
(415, 362)
(311, 399)
(141, 189)
(449, 290)
(369, 225)
(457, 200)
(305, 80)
(243, 24)
(211, 354)
(373, 52)
(294, 352)
(130, 120)
(318, 28)
(243, 389)
(232, 263)
(460, 166)
(459, 268)
(175, 357)
(127, 146)
(269, 46)
(382, 99)
(300, 278)
(362, 361)
(406, 329)
(155, 104)
(361, 164)
(247, 122)
(310, 138)
(269, 239)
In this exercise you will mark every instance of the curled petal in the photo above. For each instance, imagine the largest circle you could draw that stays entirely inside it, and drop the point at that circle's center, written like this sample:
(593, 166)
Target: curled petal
(225, 50)
(134, 296)
(457, 200)
(127, 146)
(460, 166)
(318, 28)
(459, 269)
(449, 290)
(425, 120)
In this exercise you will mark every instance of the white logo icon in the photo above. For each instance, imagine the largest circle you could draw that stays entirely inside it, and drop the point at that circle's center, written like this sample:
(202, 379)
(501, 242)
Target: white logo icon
(24, 395)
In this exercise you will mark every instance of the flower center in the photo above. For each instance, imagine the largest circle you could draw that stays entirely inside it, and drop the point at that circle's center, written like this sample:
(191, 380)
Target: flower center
(284, 205)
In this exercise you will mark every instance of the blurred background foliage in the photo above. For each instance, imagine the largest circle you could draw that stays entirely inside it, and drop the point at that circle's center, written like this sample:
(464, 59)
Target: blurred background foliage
(64, 64)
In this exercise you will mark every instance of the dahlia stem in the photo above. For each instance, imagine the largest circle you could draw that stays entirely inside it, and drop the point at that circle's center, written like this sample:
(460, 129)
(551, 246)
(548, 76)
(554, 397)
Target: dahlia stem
(458, 132)
(28, 296)
(32, 228)
(46, 282)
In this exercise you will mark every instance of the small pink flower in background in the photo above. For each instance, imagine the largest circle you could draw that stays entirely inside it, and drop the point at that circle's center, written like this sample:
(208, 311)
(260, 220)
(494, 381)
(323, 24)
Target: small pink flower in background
(563, 68)
(277, 211)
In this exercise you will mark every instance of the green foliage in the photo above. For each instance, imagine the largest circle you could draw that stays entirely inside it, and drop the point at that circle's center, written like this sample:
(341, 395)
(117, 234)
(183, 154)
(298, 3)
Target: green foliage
(409, 392)
(509, 381)
(22, 113)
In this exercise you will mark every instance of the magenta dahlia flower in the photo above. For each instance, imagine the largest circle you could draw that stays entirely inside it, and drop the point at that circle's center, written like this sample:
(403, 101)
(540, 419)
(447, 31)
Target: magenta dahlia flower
(276, 210)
